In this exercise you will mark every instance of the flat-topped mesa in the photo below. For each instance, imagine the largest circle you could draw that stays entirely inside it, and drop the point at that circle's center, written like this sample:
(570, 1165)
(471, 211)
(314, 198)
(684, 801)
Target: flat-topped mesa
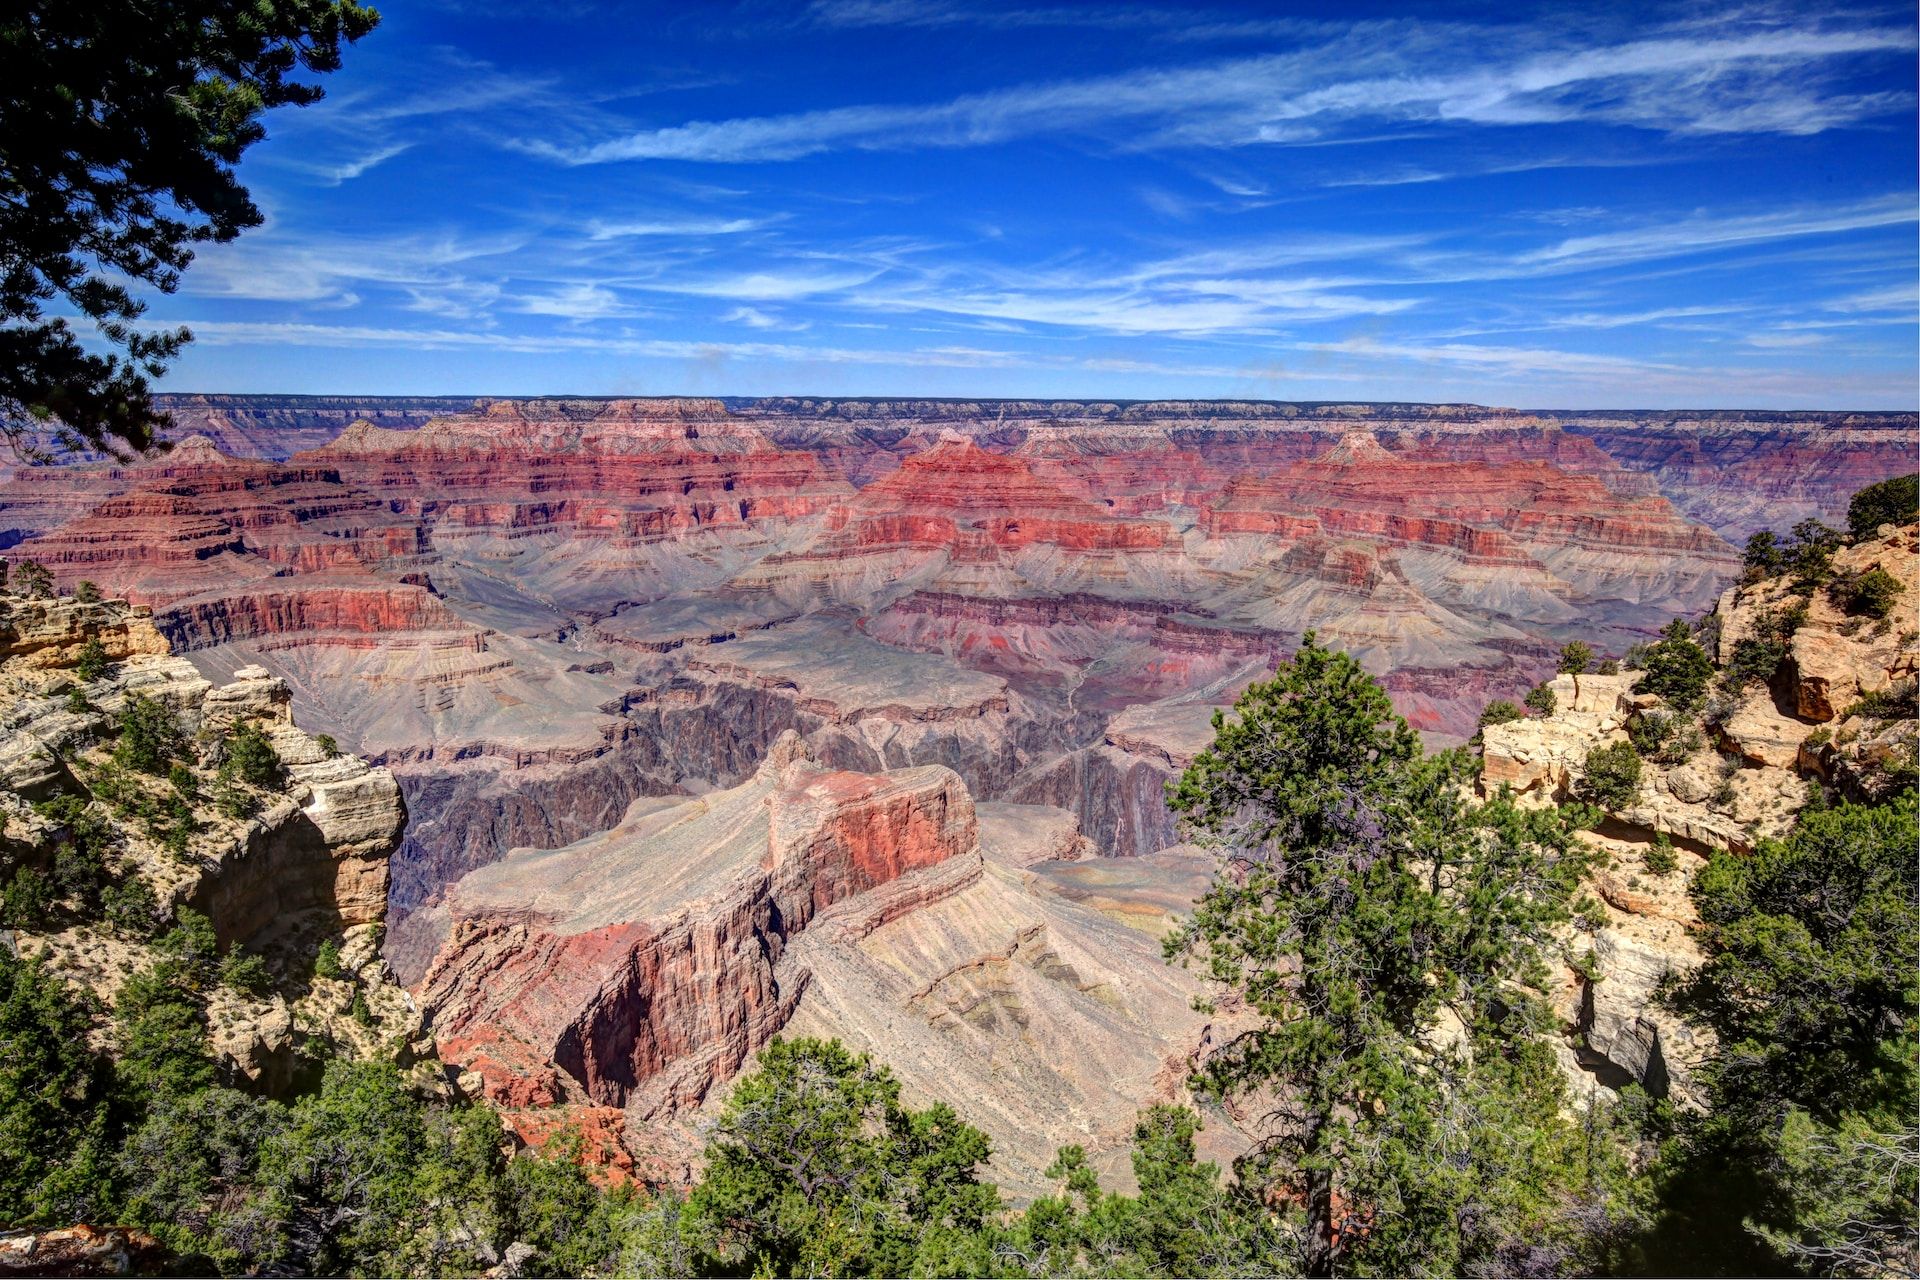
(562, 427)
(645, 961)
(1570, 534)
(314, 608)
(147, 546)
(194, 520)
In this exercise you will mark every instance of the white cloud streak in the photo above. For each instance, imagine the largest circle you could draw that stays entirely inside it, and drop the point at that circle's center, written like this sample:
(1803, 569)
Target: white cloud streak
(1754, 79)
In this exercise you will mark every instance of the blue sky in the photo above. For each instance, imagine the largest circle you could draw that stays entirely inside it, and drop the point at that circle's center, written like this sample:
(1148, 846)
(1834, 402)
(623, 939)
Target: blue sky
(1562, 207)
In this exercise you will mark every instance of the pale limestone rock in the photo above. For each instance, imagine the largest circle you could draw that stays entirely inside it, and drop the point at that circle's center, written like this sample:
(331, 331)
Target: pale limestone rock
(254, 695)
(1620, 1019)
(252, 1040)
(1689, 783)
(1761, 734)
(1542, 757)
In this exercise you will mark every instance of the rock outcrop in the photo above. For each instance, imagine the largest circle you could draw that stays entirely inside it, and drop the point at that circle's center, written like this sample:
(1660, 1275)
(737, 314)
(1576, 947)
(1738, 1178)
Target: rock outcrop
(1741, 775)
(635, 971)
(308, 863)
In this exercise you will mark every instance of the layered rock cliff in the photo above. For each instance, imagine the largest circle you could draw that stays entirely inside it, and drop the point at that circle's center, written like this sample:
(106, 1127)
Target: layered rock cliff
(644, 961)
(628, 975)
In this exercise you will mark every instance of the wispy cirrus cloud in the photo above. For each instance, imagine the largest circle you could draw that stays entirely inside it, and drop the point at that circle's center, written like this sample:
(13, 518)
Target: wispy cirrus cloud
(669, 226)
(1701, 234)
(1350, 208)
(1753, 78)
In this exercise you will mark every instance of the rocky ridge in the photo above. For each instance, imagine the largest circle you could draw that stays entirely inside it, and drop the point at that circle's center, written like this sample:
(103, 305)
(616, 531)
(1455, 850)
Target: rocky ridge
(1836, 714)
(308, 864)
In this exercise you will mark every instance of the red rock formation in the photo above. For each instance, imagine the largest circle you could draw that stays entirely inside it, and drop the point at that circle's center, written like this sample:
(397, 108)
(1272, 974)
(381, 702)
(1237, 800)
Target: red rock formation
(338, 605)
(961, 498)
(644, 959)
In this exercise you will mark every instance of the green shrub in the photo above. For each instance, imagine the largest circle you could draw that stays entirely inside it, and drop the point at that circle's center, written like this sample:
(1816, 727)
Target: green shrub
(1896, 702)
(326, 961)
(184, 784)
(93, 662)
(1663, 736)
(193, 946)
(328, 747)
(50, 1098)
(1895, 501)
(27, 902)
(1612, 776)
(1651, 730)
(1810, 559)
(1608, 667)
(233, 800)
(150, 736)
(1575, 657)
(130, 907)
(1873, 594)
(250, 757)
(1677, 668)
(77, 703)
(1542, 699)
(1659, 857)
(246, 973)
(1753, 661)
(1763, 558)
(162, 1032)
(1500, 711)
(31, 579)
(86, 592)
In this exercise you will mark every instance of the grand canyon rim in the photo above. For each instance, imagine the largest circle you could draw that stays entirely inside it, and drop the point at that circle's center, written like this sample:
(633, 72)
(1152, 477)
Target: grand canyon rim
(1185, 751)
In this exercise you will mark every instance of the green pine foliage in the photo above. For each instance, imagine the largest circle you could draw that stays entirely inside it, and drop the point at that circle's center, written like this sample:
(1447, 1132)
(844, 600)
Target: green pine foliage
(1361, 898)
(1895, 501)
(1500, 711)
(1809, 1154)
(92, 663)
(1676, 668)
(249, 756)
(1612, 776)
(150, 739)
(118, 146)
(1872, 594)
(816, 1168)
(32, 580)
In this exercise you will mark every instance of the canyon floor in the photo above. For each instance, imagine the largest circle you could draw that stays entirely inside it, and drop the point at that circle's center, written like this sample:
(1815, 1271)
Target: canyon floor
(717, 719)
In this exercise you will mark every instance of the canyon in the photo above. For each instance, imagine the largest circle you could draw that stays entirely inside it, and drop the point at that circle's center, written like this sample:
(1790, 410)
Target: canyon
(720, 719)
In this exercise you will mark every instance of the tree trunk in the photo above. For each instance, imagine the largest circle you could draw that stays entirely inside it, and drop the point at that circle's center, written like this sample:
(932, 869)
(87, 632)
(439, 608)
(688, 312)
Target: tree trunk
(1319, 1257)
